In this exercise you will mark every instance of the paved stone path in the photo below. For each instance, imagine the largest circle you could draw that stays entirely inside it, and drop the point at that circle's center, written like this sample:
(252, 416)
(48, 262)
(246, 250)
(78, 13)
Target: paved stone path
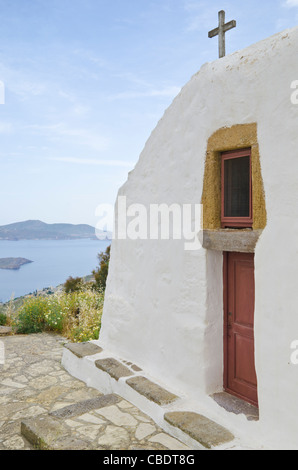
(34, 384)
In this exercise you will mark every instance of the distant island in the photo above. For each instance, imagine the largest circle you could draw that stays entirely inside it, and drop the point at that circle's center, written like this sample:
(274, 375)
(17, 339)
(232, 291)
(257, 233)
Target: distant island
(37, 230)
(13, 263)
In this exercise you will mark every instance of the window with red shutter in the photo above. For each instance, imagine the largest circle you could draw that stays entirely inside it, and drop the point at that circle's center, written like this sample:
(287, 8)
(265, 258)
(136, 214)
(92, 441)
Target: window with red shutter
(236, 189)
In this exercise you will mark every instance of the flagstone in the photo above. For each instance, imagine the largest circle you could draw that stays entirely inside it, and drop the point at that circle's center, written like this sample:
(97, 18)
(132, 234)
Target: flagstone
(43, 382)
(5, 391)
(89, 418)
(21, 379)
(144, 430)
(90, 432)
(59, 405)
(53, 410)
(124, 404)
(117, 417)
(11, 383)
(48, 395)
(29, 412)
(14, 443)
(72, 423)
(115, 438)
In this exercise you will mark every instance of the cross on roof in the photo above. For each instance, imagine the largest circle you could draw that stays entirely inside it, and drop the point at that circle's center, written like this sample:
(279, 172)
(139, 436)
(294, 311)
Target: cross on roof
(221, 32)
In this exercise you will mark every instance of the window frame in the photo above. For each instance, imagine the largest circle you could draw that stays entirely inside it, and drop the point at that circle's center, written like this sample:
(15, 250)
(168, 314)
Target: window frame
(236, 222)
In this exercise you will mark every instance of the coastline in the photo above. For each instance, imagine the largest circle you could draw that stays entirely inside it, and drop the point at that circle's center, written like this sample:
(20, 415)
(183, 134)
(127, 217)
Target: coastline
(54, 262)
(17, 302)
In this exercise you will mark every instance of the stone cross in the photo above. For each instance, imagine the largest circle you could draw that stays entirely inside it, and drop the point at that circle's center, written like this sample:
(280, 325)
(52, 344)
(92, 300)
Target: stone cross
(221, 32)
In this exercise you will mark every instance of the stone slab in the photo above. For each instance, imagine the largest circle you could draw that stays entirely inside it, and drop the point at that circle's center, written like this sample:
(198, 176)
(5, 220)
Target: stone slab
(151, 391)
(85, 406)
(242, 241)
(82, 350)
(5, 331)
(114, 368)
(208, 433)
(46, 433)
(235, 405)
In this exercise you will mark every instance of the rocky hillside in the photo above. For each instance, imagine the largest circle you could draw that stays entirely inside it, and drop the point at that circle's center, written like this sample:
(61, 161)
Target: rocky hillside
(37, 230)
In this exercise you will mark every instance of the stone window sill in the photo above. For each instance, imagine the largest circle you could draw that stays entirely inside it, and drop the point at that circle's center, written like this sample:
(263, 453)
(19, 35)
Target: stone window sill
(231, 240)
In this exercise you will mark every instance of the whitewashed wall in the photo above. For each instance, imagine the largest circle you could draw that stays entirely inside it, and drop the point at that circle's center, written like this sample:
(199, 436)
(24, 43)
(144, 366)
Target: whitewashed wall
(163, 307)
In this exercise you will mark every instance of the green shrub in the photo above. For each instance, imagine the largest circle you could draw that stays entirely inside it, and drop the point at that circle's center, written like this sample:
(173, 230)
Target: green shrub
(54, 315)
(3, 319)
(73, 285)
(31, 316)
(76, 315)
(101, 273)
(83, 312)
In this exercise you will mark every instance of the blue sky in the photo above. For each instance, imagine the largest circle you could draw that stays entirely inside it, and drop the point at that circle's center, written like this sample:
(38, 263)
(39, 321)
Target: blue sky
(86, 82)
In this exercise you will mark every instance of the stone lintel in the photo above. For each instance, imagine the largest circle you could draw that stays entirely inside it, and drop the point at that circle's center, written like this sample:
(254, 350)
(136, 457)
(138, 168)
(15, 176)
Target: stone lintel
(241, 241)
(86, 406)
(114, 368)
(82, 350)
(151, 391)
(200, 428)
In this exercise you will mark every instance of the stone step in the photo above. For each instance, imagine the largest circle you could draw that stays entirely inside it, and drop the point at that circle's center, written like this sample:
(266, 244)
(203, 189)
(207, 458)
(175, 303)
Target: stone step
(205, 432)
(105, 423)
(82, 350)
(86, 406)
(47, 433)
(151, 391)
(114, 368)
(5, 330)
(208, 433)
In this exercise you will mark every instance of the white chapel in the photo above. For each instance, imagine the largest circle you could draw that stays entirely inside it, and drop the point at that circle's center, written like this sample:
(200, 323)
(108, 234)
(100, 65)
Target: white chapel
(216, 326)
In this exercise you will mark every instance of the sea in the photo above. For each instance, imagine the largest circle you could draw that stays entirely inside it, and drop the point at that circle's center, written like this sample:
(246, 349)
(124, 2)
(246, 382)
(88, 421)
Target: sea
(54, 261)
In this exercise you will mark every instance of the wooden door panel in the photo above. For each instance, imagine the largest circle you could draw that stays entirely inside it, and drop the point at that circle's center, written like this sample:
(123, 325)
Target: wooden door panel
(244, 366)
(240, 374)
(244, 293)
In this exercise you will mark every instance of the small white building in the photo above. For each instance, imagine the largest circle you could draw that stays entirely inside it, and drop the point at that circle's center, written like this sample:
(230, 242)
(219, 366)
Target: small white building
(222, 318)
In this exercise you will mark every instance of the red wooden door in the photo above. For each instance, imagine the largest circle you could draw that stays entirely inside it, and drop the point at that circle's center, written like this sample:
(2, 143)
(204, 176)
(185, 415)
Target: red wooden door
(240, 373)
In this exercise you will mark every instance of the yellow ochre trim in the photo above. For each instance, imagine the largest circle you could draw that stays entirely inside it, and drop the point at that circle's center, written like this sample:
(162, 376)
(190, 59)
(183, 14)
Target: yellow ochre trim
(233, 138)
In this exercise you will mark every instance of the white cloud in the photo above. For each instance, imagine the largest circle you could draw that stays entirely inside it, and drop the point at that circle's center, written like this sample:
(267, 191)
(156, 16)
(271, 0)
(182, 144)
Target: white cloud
(201, 16)
(170, 92)
(91, 161)
(5, 127)
(291, 3)
(79, 136)
(22, 85)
